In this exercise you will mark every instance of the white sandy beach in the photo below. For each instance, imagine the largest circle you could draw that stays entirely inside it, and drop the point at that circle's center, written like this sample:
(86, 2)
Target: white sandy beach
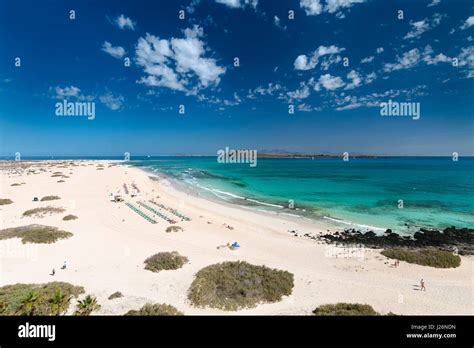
(110, 243)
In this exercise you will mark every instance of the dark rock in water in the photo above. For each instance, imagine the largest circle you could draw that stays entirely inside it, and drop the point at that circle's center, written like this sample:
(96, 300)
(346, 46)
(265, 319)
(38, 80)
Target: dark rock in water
(450, 239)
(239, 184)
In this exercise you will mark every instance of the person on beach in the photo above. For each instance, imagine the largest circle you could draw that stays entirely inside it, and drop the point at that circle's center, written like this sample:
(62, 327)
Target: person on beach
(422, 285)
(64, 265)
(53, 272)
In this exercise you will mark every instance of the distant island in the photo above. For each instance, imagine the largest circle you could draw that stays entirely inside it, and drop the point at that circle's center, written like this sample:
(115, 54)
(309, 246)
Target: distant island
(266, 155)
(288, 154)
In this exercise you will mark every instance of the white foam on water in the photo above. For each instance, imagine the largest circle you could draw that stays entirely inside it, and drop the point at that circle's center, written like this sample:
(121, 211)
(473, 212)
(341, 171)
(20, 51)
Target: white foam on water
(368, 227)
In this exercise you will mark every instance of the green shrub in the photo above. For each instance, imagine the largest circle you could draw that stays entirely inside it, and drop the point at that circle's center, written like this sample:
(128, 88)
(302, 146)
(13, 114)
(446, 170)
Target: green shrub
(5, 201)
(174, 229)
(42, 211)
(86, 306)
(37, 299)
(165, 261)
(35, 234)
(155, 309)
(69, 217)
(425, 257)
(345, 309)
(49, 198)
(234, 285)
(115, 295)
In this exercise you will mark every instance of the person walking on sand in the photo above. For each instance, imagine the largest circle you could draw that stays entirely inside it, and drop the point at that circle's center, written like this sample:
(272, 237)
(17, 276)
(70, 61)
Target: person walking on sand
(53, 272)
(422, 285)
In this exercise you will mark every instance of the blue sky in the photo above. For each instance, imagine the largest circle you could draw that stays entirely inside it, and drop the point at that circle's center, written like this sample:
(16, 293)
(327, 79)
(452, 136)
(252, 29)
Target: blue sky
(335, 61)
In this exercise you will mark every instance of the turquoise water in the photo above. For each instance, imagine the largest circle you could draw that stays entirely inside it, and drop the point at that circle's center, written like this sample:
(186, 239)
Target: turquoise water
(436, 191)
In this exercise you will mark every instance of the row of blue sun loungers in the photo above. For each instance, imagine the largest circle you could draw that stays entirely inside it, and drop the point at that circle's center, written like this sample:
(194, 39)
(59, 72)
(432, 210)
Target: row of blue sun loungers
(139, 212)
(160, 214)
(171, 210)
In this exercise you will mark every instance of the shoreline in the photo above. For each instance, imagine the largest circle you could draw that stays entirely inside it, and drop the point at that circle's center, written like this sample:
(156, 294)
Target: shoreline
(268, 207)
(110, 243)
(190, 190)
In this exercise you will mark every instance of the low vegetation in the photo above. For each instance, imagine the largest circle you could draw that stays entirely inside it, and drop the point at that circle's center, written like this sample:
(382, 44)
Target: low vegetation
(50, 198)
(5, 201)
(35, 234)
(61, 181)
(37, 299)
(69, 217)
(155, 309)
(425, 257)
(165, 261)
(115, 295)
(86, 306)
(42, 211)
(345, 309)
(15, 184)
(174, 229)
(235, 285)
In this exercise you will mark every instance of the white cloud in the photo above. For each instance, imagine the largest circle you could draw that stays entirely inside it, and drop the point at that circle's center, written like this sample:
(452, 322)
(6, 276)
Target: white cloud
(303, 62)
(178, 63)
(367, 59)
(277, 22)
(69, 92)
(329, 82)
(406, 61)
(413, 57)
(125, 22)
(311, 7)
(422, 26)
(466, 58)
(238, 3)
(439, 58)
(348, 102)
(370, 78)
(314, 7)
(434, 3)
(299, 94)
(380, 50)
(335, 5)
(468, 23)
(308, 108)
(269, 90)
(355, 78)
(116, 52)
(112, 102)
(192, 6)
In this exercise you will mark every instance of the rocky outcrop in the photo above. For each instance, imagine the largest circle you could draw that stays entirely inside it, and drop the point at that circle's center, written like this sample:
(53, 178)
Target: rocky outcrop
(450, 239)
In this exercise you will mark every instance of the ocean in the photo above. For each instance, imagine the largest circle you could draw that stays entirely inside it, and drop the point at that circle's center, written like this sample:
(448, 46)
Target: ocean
(400, 193)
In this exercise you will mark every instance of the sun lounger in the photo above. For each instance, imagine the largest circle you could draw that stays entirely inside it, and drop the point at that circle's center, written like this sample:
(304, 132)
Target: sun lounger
(171, 210)
(141, 213)
(160, 214)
